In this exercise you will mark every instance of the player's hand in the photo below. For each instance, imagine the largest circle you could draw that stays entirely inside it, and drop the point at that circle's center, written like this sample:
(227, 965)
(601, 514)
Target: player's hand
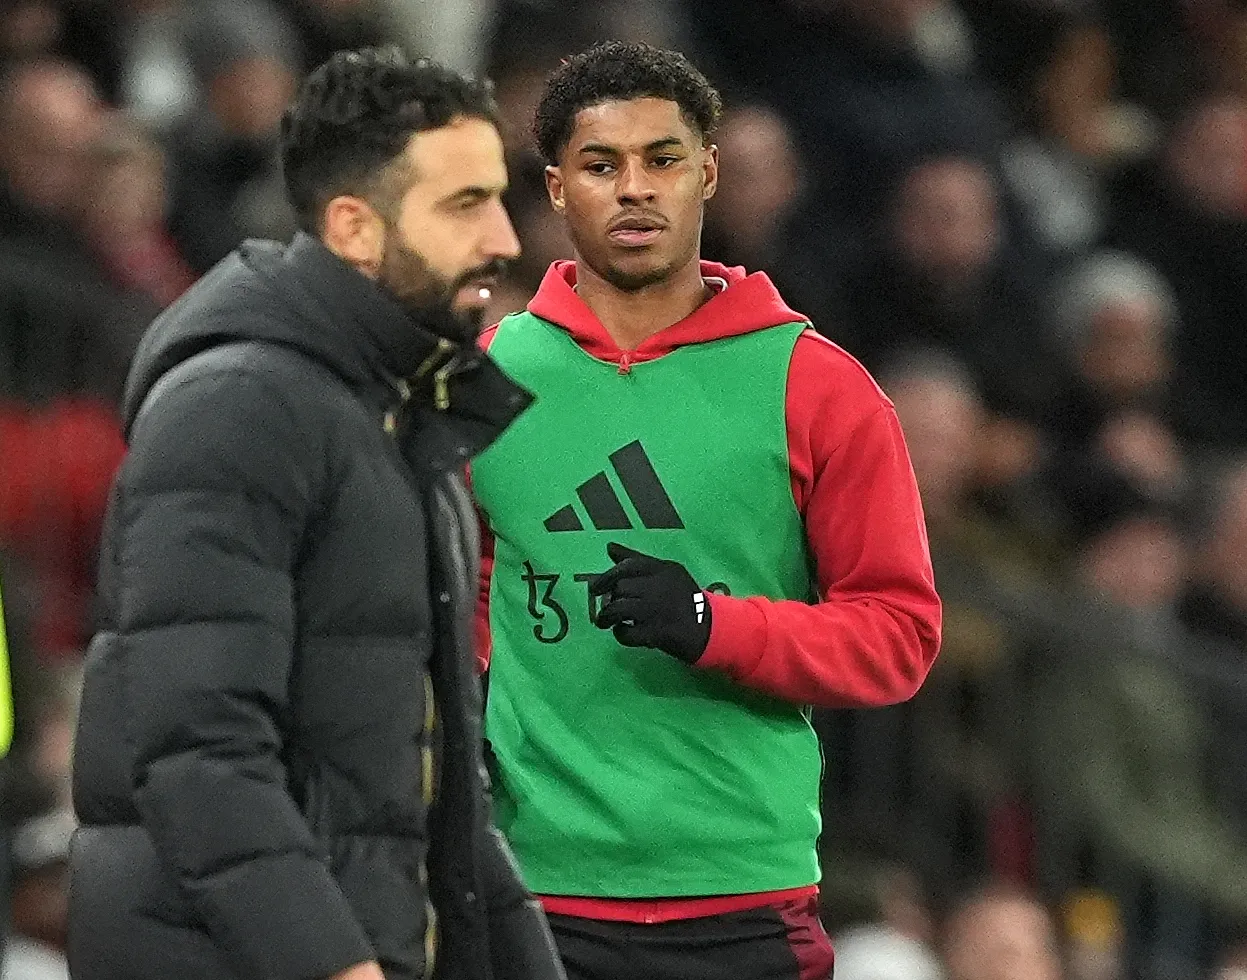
(652, 602)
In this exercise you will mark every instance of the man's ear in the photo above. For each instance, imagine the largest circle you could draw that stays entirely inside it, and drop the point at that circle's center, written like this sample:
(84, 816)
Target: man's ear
(710, 172)
(554, 187)
(355, 233)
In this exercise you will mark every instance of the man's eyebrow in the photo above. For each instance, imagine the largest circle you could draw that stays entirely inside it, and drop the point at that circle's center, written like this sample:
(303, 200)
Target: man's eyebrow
(666, 142)
(468, 195)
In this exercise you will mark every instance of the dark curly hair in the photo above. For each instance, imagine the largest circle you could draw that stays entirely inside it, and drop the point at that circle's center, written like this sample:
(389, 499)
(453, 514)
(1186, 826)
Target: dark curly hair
(355, 114)
(618, 70)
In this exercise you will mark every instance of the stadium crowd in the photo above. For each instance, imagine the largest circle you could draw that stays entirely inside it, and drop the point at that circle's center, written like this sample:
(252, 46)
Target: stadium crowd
(1027, 217)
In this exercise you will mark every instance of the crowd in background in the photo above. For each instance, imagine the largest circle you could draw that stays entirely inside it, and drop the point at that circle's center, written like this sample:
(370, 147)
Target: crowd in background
(1027, 217)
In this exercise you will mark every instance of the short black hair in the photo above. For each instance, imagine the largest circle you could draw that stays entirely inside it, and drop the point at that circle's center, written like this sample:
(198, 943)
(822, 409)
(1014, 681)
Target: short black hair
(356, 113)
(618, 70)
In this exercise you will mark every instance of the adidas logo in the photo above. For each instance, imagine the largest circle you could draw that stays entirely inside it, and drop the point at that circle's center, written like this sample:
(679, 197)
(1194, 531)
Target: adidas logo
(699, 606)
(639, 481)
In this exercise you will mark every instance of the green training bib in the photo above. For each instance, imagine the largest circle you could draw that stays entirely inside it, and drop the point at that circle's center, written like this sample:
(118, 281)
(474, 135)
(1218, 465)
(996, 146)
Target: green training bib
(623, 772)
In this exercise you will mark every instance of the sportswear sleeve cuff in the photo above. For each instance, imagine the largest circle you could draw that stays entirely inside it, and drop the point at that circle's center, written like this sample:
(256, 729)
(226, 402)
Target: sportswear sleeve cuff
(737, 636)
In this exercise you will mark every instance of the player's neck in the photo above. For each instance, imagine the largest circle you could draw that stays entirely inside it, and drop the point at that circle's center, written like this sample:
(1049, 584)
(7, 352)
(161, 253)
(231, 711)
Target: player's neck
(631, 318)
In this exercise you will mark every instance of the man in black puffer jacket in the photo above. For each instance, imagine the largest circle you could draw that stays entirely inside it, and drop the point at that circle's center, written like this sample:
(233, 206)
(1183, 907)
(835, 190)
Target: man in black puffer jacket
(278, 770)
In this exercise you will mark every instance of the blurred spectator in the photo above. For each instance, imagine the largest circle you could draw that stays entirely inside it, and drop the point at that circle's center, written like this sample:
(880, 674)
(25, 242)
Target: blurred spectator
(52, 114)
(50, 755)
(453, 33)
(1160, 59)
(1186, 215)
(1132, 551)
(935, 31)
(1078, 133)
(40, 800)
(867, 84)
(529, 40)
(1220, 28)
(149, 54)
(66, 337)
(939, 782)
(760, 183)
(1095, 938)
(63, 330)
(880, 953)
(1002, 933)
(225, 180)
(1233, 964)
(151, 67)
(53, 494)
(518, 89)
(1216, 604)
(1126, 738)
(1119, 318)
(124, 217)
(894, 941)
(65, 340)
(943, 415)
(944, 276)
(40, 899)
(29, 28)
(326, 26)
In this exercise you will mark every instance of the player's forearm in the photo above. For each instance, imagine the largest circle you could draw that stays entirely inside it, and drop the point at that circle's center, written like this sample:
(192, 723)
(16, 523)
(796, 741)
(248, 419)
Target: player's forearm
(860, 652)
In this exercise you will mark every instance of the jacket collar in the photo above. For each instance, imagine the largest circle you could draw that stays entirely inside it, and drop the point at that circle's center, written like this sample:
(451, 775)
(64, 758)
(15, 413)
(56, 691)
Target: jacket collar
(433, 378)
(392, 345)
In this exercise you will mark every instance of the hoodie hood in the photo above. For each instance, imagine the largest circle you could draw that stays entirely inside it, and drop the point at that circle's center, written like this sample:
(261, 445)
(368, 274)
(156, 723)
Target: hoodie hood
(301, 296)
(743, 303)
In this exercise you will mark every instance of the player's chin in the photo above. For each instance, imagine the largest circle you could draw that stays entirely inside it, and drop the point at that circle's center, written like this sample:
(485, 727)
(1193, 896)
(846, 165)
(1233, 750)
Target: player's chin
(637, 271)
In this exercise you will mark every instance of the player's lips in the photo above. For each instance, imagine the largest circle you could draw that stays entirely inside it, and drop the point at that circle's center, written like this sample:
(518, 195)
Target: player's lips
(635, 230)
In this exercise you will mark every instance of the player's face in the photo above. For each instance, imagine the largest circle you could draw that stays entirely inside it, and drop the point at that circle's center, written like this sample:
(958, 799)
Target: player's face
(450, 234)
(632, 183)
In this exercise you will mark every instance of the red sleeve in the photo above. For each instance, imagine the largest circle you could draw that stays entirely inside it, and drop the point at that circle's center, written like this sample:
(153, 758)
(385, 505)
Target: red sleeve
(875, 632)
(483, 640)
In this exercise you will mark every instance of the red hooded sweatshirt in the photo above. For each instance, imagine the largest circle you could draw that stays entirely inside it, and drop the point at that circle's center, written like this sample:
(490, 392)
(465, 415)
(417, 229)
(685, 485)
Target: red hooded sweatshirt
(872, 638)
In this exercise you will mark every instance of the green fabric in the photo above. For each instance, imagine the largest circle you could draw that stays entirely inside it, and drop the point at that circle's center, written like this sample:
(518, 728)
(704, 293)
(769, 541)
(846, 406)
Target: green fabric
(6, 693)
(623, 772)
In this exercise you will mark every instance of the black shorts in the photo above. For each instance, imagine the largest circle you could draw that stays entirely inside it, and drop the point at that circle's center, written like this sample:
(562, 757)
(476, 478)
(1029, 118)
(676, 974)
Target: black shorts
(784, 941)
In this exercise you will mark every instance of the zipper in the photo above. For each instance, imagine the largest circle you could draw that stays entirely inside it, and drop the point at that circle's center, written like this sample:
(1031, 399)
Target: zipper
(441, 387)
(390, 422)
(625, 362)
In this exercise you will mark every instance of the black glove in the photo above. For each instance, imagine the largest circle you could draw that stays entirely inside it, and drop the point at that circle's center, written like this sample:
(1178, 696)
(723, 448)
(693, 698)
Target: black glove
(654, 603)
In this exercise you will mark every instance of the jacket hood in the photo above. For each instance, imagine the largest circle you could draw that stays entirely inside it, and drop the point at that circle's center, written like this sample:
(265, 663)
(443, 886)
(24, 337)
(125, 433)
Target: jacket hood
(743, 303)
(301, 296)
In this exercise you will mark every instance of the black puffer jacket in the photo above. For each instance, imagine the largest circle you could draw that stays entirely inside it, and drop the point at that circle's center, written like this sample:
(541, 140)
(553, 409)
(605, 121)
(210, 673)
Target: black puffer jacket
(289, 574)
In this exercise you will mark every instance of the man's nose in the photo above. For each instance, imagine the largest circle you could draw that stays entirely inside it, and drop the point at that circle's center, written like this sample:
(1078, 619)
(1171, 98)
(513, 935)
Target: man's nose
(633, 184)
(502, 242)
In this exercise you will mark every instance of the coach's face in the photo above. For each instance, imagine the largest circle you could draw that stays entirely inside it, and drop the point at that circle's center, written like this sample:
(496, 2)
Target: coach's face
(435, 232)
(632, 183)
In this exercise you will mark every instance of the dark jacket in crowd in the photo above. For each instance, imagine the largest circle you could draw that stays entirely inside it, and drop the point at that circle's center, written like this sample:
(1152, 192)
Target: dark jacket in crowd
(263, 781)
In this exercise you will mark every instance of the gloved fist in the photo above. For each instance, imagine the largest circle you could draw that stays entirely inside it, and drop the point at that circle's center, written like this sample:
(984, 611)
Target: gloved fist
(652, 602)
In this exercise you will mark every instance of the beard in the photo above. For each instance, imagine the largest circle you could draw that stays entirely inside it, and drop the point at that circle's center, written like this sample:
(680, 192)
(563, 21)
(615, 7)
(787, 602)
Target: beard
(427, 297)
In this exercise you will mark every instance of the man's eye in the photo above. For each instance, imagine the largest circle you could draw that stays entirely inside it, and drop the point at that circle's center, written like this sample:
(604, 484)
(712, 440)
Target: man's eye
(599, 168)
(665, 161)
